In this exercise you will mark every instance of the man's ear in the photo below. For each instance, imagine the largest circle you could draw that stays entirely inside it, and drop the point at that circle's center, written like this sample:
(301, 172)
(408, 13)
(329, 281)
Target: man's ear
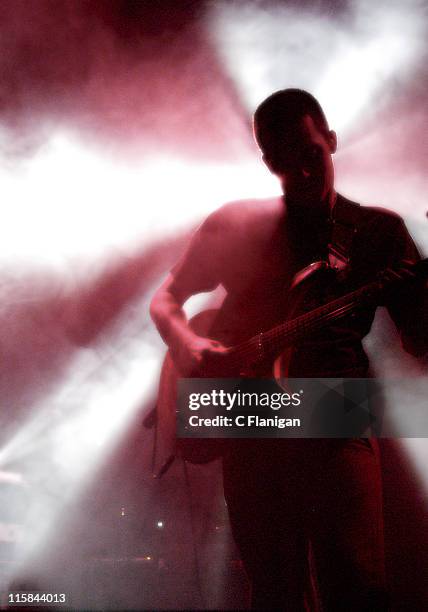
(332, 141)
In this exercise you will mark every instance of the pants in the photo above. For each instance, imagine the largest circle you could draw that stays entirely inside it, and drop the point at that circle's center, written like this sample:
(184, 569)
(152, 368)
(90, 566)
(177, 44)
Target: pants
(283, 494)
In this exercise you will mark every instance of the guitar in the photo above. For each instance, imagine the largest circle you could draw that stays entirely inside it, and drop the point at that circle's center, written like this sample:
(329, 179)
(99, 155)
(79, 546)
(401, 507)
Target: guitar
(255, 356)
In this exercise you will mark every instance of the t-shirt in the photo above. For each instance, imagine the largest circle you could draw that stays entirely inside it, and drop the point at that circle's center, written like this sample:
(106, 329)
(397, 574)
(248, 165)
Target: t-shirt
(255, 248)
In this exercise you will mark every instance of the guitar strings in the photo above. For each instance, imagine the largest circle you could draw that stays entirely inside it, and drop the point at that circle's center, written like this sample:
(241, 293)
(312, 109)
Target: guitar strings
(284, 336)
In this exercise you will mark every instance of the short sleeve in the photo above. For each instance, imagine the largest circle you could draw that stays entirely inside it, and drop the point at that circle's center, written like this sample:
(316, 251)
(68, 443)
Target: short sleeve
(198, 269)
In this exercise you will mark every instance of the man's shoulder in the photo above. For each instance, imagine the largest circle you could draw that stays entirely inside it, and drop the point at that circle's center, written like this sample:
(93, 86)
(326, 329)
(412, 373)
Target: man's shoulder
(246, 214)
(368, 215)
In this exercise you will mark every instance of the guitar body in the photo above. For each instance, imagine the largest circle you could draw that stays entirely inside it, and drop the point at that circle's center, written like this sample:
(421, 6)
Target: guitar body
(269, 352)
(311, 286)
(167, 444)
(306, 284)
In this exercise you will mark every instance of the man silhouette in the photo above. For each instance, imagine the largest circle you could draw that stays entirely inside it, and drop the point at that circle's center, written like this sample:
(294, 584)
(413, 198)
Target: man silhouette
(285, 496)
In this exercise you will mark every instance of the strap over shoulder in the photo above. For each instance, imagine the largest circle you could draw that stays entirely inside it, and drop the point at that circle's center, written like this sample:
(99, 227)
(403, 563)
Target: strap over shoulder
(344, 226)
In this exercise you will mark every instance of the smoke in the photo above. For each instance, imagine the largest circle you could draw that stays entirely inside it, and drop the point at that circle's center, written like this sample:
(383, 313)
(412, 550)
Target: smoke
(126, 73)
(123, 124)
(354, 56)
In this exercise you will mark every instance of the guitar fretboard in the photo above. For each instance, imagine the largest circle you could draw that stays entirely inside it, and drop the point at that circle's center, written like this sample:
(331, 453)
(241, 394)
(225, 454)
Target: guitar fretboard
(269, 344)
(272, 342)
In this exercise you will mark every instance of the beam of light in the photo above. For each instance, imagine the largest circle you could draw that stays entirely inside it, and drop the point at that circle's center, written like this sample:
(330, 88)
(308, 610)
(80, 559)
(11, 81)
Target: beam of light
(384, 44)
(66, 208)
(344, 62)
(74, 427)
(385, 166)
(71, 203)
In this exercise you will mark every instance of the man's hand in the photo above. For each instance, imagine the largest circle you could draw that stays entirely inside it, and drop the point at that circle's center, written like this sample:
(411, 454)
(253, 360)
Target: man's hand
(407, 277)
(192, 354)
(405, 272)
(195, 356)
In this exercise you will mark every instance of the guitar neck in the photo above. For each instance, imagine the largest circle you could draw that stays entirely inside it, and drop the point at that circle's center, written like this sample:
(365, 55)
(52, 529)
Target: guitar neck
(269, 344)
(275, 340)
(297, 329)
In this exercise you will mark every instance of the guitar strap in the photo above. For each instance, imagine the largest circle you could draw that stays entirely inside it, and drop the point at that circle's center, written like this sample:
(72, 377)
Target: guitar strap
(344, 222)
(342, 229)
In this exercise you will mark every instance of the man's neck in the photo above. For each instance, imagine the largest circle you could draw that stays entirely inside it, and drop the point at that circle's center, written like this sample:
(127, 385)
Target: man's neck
(311, 210)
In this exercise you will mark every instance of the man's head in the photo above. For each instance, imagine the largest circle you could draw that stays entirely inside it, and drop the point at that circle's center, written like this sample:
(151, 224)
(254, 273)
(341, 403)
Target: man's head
(293, 134)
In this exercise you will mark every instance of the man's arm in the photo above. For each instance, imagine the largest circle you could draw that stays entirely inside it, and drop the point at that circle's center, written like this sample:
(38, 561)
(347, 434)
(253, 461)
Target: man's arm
(196, 272)
(409, 308)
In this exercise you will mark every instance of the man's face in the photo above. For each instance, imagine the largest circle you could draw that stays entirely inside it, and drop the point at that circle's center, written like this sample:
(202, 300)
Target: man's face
(301, 158)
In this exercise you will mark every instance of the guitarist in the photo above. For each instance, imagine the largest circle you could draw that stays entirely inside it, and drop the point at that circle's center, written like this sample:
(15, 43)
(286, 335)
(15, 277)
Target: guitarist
(283, 494)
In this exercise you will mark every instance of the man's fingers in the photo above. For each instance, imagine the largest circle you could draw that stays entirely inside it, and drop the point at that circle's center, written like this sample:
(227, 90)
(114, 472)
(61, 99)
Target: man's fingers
(217, 346)
(399, 275)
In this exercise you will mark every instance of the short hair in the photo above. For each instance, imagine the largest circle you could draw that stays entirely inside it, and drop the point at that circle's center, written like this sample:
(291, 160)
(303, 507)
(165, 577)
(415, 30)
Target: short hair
(283, 110)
